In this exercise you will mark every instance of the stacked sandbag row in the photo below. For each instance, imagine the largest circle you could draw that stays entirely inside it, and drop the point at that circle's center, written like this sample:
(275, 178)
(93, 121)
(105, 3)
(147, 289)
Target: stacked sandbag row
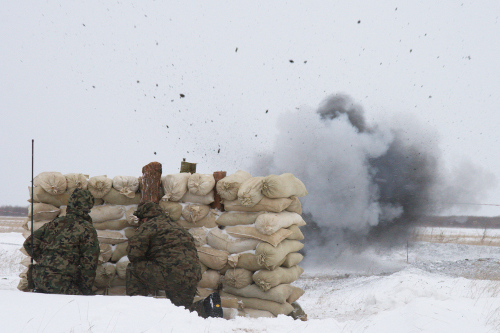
(115, 201)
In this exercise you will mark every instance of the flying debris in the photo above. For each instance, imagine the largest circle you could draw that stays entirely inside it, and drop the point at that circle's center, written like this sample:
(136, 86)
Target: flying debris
(291, 61)
(155, 153)
(182, 95)
(267, 111)
(236, 50)
(359, 21)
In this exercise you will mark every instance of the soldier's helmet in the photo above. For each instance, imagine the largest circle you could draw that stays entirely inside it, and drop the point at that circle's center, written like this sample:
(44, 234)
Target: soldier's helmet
(148, 209)
(81, 200)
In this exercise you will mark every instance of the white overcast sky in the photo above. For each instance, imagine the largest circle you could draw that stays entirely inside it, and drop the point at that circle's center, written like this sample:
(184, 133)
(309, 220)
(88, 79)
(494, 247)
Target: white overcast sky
(97, 84)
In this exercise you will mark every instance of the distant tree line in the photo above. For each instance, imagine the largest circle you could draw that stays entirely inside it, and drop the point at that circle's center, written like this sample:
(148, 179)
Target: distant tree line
(13, 210)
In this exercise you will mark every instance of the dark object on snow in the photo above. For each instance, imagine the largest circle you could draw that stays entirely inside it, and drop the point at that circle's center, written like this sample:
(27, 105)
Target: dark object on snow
(212, 305)
(297, 312)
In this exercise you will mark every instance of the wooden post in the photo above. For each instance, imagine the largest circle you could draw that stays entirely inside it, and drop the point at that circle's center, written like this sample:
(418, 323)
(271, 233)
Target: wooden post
(188, 167)
(218, 175)
(151, 182)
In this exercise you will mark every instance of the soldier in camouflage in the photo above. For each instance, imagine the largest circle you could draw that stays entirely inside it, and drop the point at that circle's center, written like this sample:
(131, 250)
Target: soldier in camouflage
(163, 257)
(66, 250)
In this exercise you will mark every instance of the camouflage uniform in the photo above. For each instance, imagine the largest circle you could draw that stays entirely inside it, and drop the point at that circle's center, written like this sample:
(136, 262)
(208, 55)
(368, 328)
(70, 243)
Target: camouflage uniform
(163, 256)
(66, 250)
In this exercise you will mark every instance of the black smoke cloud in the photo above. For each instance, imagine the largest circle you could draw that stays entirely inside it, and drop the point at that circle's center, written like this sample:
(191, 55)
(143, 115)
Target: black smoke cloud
(367, 183)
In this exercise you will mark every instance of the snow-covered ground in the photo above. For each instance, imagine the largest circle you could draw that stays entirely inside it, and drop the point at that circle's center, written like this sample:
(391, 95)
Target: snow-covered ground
(429, 287)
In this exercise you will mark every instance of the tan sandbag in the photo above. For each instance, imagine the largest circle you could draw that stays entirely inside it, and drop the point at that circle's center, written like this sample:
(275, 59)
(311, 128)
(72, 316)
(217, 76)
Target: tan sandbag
(295, 206)
(23, 283)
(26, 261)
(104, 274)
(171, 208)
(110, 237)
(238, 278)
(106, 251)
(118, 282)
(63, 210)
(292, 259)
(119, 252)
(175, 186)
(220, 240)
(278, 294)
(37, 225)
(199, 235)
(129, 232)
(269, 223)
(264, 205)
(117, 291)
(203, 267)
(114, 197)
(296, 294)
(106, 213)
(121, 269)
(214, 259)
(130, 217)
(57, 200)
(200, 184)
(249, 193)
(43, 212)
(76, 180)
(262, 304)
(283, 186)
(237, 218)
(195, 212)
(52, 182)
(99, 186)
(243, 231)
(111, 225)
(199, 199)
(204, 292)
(296, 233)
(269, 256)
(26, 233)
(254, 313)
(23, 250)
(126, 185)
(228, 186)
(268, 279)
(249, 261)
(210, 279)
(207, 222)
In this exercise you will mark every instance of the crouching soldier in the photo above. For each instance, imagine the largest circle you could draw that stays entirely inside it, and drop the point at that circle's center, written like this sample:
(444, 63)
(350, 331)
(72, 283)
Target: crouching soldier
(163, 257)
(66, 250)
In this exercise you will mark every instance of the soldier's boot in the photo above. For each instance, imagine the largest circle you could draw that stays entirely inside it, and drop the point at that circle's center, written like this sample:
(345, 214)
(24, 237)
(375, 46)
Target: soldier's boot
(212, 305)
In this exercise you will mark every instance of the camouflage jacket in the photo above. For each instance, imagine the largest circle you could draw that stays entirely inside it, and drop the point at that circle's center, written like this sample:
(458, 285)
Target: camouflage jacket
(68, 244)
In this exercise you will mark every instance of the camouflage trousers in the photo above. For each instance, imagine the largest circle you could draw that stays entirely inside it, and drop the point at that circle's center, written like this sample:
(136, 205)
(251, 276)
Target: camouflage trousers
(148, 278)
(49, 281)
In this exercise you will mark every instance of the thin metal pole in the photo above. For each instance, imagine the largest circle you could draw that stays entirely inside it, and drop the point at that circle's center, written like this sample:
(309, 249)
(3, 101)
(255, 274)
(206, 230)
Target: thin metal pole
(32, 194)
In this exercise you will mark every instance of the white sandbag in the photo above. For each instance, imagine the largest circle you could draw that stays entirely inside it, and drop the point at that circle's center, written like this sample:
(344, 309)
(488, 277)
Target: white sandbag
(121, 269)
(76, 180)
(113, 197)
(296, 233)
(43, 212)
(262, 304)
(111, 225)
(269, 256)
(106, 213)
(200, 184)
(250, 192)
(212, 258)
(110, 237)
(268, 279)
(228, 186)
(99, 186)
(292, 259)
(104, 274)
(26, 261)
(105, 252)
(244, 231)
(249, 261)
(199, 199)
(119, 251)
(52, 182)
(269, 223)
(295, 206)
(175, 186)
(210, 279)
(220, 240)
(229, 313)
(254, 313)
(278, 294)
(283, 186)
(171, 208)
(207, 222)
(264, 205)
(203, 267)
(195, 212)
(40, 195)
(199, 235)
(130, 217)
(126, 185)
(237, 218)
(238, 278)
(37, 225)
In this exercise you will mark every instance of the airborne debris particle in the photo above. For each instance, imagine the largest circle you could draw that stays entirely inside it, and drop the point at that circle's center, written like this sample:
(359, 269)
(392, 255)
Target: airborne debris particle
(291, 61)
(218, 151)
(182, 95)
(93, 87)
(155, 153)
(305, 61)
(411, 50)
(138, 81)
(236, 50)
(83, 24)
(359, 21)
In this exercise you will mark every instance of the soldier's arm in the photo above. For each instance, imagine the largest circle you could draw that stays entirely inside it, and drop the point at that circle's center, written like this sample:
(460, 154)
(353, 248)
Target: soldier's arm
(37, 241)
(89, 256)
(139, 243)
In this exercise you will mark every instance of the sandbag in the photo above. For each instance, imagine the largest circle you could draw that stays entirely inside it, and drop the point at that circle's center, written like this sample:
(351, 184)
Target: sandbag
(200, 184)
(292, 259)
(111, 225)
(43, 212)
(117, 291)
(175, 186)
(37, 225)
(283, 186)
(213, 258)
(130, 217)
(118, 282)
(243, 231)
(249, 193)
(110, 237)
(105, 252)
(220, 240)
(210, 279)
(106, 213)
(52, 182)
(207, 222)
(296, 233)
(269, 223)
(26, 261)
(236, 218)
(119, 252)
(121, 269)
(228, 186)
(171, 208)
(104, 274)
(199, 199)
(203, 267)
(199, 235)
(296, 294)
(269, 256)
(76, 180)
(264, 205)
(129, 232)
(63, 211)
(268, 279)
(262, 304)
(254, 313)
(278, 294)
(249, 261)
(114, 197)
(195, 212)
(295, 206)
(57, 200)
(238, 278)
(126, 185)
(99, 186)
